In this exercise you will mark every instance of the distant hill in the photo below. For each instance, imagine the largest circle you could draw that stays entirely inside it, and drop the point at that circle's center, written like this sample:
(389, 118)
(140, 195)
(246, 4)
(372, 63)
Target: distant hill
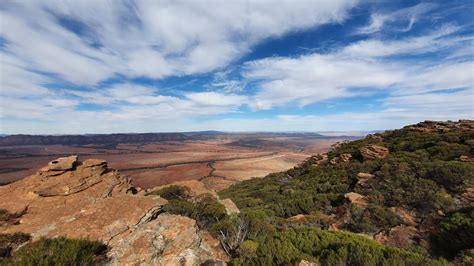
(112, 139)
(20, 140)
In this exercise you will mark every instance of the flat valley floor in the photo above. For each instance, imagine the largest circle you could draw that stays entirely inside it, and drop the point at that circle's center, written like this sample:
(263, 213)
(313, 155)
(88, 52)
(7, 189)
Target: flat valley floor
(217, 163)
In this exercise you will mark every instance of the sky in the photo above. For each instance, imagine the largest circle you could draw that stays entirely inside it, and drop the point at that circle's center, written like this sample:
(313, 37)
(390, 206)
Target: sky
(75, 67)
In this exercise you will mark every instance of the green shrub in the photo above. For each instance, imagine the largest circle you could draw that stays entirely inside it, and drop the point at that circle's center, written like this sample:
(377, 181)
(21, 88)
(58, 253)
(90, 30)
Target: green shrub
(180, 207)
(454, 233)
(449, 174)
(329, 248)
(248, 249)
(172, 192)
(464, 257)
(373, 218)
(206, 210)
(422, 173)
(60, 251)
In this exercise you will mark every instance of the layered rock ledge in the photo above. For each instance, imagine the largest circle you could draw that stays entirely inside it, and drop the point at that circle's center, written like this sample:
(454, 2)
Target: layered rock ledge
(89, 200)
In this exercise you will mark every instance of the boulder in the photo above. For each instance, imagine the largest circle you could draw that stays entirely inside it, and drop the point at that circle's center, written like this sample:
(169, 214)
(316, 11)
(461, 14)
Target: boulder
(317, 160)
(467, 158)
(343, 158)
(307, 263)
(372, 152)
(167, 240)
(376, 137)
(230, 206)
(364, 178)
(62, 164)
(357, 199)
(467, 197)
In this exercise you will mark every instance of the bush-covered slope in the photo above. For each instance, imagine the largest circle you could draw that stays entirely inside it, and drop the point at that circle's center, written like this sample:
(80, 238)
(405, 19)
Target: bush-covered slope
(404, 188)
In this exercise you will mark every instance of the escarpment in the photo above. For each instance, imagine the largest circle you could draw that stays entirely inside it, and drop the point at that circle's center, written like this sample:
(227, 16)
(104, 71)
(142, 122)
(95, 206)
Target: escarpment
(87, 200)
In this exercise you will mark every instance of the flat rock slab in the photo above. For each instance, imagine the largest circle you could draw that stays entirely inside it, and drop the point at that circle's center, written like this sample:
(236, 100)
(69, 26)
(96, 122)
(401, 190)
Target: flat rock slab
(62, 164)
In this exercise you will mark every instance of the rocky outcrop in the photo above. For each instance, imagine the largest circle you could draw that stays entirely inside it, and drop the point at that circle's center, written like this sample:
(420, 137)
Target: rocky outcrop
(356, 199)
(317, 160)
(88, 200)
(230, 206)
(168, 240)
(343, 158)
(62, 164)
(307, 263)
(469, 158)
(364, 178)
(467, 197)
(372, 152)
(441, 127)
(376, 137)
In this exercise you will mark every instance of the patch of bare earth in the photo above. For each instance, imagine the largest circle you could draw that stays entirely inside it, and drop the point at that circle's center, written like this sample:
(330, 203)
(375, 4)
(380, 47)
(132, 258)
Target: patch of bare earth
(213, 162)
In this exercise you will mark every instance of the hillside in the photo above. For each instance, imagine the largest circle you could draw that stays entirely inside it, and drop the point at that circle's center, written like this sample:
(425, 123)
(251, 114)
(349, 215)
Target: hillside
(411, 188)
(401, 197)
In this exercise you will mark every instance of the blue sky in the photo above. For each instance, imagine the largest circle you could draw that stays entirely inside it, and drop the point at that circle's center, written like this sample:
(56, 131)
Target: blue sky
(160, 66)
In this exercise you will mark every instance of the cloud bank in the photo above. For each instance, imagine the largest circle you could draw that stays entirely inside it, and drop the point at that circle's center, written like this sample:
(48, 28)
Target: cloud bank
(66, 64)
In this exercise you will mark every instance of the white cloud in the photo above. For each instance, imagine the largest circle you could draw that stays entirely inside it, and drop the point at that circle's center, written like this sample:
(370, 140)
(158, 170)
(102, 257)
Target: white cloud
(149, 38)
(218, 99)
(313, 78)
(365, 65)
(409, 15)
(435, 41)
(134, 39)
(396, 112)
(161, 39)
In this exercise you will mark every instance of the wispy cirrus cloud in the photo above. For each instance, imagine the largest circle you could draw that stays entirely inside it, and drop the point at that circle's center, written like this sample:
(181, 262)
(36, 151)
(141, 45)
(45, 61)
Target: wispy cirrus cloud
(408, 16)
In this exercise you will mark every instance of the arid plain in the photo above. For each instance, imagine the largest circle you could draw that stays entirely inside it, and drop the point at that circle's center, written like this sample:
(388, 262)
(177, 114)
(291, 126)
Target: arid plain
(217, 161)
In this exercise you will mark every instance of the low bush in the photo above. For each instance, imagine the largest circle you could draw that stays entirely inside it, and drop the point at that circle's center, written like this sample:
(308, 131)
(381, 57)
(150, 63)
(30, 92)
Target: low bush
(454, 233)
(9, 242)
(172, 192)
(60, 251)
(206, 210)
(328, 248)
(5, 215)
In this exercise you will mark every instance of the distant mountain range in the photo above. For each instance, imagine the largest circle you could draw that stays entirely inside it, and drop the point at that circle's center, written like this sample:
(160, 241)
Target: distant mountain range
(109, 139)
